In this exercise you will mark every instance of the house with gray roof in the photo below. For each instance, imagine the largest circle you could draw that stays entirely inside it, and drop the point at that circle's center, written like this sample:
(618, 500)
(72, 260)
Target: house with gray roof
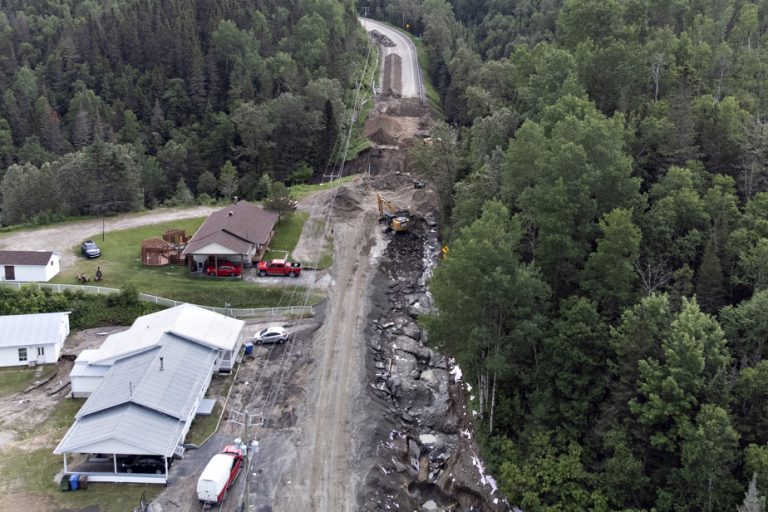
(237, 234)
(143, 406)
(28, 340)
(188, 322)
(29, 266)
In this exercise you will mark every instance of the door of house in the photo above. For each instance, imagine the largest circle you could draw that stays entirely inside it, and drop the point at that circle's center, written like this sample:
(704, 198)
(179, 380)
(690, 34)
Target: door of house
(10, 273)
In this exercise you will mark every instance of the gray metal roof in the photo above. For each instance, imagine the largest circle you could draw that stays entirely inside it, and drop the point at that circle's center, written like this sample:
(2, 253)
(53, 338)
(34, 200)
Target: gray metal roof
(126, 429)
(139, 379)
(34, 329)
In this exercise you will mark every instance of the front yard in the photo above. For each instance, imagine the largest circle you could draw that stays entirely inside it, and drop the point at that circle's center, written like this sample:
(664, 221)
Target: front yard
(121, 264)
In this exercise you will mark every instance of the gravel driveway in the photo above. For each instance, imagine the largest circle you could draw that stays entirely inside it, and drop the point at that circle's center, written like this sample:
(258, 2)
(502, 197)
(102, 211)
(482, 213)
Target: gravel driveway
(62, 238)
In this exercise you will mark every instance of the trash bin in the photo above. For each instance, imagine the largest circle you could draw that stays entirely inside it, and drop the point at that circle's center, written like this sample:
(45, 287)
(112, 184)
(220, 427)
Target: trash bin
(248, 349)
(83, 482)
(73, 485)
(64, 484)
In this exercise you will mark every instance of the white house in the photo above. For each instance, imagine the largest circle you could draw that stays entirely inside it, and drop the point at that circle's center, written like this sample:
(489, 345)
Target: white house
(32, 339)
(143, 405)
(187, 322)
(29, 266)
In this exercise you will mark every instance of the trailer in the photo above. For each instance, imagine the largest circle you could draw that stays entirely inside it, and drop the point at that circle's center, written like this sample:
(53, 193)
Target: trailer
(220, 474)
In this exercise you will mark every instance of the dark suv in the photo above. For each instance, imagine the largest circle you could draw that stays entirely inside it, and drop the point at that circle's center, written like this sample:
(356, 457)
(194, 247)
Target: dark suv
(144, 464)
(90, 249)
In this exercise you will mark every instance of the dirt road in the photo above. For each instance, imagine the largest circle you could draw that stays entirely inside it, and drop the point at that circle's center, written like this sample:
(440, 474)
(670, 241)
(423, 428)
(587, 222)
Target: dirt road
(64, 238)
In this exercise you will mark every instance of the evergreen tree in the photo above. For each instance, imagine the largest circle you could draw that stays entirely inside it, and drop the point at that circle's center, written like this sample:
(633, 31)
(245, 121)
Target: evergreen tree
(710, 288)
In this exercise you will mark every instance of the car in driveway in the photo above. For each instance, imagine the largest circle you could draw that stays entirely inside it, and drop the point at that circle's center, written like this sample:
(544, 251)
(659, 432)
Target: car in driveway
(90, 249)
(271, 335)
(144, 464)
(223, 271)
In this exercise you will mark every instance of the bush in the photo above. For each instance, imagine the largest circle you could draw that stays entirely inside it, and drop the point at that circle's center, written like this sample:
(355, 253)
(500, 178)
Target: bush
(87, 310)
(301, 174)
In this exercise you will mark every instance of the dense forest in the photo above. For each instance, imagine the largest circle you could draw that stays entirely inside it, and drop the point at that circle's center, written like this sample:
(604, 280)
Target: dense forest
(116, 105)
(603, 170)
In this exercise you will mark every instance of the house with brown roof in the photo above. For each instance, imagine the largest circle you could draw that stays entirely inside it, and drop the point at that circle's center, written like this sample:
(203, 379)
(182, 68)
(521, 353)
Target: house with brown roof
(237, 234)
(29, 266)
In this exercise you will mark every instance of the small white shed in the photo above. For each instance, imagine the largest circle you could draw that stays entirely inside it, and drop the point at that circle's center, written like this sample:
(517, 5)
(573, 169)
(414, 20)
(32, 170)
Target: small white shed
(32, 339)
(29, 266)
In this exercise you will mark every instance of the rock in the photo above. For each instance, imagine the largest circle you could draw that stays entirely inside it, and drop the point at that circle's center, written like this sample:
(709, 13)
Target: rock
(428, 376)
(423, 468)
(428, 439)
(411, 330)
(413, 347)
(429, 505)
(399, 466)
(414, 450)
(407, 417)
(387, 325)
(415, 374)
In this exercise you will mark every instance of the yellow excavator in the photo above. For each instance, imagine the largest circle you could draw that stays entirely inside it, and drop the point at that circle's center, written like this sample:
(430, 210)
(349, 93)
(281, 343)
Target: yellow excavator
(396, 220)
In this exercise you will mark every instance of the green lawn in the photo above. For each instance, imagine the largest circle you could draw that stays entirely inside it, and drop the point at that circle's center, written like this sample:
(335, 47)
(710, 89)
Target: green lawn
(13, 380)
(299, 191)
(287, 235)
(120, 263)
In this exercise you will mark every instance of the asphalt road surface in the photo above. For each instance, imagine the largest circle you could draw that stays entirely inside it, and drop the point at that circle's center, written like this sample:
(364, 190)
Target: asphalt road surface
(411, 75)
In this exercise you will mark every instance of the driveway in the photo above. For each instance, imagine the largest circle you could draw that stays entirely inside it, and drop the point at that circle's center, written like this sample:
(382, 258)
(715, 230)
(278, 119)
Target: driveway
(62, 238)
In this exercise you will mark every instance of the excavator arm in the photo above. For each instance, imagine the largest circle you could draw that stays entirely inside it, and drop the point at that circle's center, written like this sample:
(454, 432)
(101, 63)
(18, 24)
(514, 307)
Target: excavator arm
(396, 220)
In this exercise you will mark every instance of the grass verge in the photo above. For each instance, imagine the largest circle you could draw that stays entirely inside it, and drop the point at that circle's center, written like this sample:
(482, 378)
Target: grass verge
(303, 190)
(203, 426)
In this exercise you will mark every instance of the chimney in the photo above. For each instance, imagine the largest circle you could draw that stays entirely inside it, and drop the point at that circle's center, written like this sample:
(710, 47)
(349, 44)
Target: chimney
(130, 388)
(231, 213)
(161, 363)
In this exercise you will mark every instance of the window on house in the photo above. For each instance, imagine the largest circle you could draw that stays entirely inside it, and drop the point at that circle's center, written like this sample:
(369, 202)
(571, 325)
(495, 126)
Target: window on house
(40, 351)
(22, 354)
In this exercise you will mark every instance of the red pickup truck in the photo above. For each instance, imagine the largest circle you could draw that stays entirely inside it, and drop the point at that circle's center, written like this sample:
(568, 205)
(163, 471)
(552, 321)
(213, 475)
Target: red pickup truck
(279, 268)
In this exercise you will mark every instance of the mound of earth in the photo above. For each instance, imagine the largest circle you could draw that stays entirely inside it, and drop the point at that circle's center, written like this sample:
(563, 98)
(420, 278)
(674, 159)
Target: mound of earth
(382, 138)
(383, 123)
(348, 200)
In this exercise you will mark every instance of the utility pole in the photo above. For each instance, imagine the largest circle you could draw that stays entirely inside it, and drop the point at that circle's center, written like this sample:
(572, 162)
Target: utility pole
(247, 463)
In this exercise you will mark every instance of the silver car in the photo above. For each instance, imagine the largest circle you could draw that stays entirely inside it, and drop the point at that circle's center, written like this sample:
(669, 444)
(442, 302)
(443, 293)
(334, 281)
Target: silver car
(271, 335)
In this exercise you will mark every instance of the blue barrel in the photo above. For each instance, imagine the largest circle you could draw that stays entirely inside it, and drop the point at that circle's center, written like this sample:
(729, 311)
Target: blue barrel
(248, 348)
(73, 481)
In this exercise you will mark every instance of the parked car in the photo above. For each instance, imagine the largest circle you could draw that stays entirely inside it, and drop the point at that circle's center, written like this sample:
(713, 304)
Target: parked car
(90, 249)
(219, 475)
(279, 268)
(144, 464)
(271, 335)
(223, 271)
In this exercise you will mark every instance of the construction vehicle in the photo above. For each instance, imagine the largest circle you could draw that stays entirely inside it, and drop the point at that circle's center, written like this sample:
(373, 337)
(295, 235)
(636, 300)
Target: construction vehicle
(396, 220)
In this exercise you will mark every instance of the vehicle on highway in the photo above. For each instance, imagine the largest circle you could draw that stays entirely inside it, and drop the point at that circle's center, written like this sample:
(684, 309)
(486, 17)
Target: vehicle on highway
(90, 249)
(220, 474)
(224, 271)
(144, 464)
(279, 268)
(271, 335)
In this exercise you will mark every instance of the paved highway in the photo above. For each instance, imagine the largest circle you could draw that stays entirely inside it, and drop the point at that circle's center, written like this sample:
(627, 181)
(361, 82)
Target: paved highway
(411, 75)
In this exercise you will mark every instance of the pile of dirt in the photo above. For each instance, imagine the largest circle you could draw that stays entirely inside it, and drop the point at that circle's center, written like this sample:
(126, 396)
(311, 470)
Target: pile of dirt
(382, 138)
(393, 80)
(348, 200)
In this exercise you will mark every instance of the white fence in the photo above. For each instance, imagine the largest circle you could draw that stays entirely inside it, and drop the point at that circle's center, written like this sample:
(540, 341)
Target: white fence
(289, 311)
